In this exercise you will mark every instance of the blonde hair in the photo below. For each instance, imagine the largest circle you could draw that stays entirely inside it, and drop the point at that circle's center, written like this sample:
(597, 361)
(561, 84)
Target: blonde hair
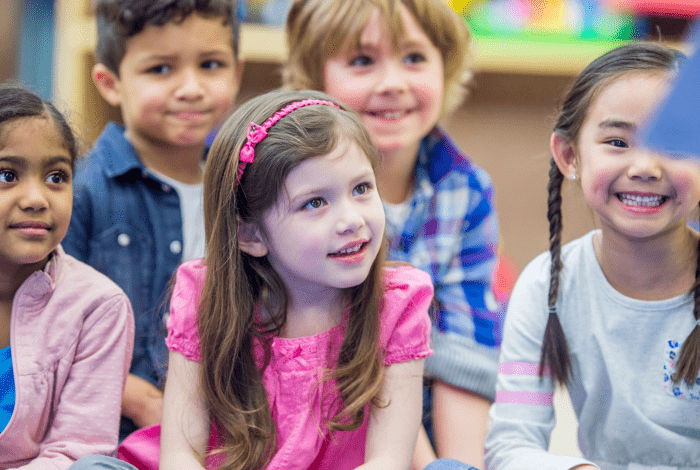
(318, 29)
(236, 282)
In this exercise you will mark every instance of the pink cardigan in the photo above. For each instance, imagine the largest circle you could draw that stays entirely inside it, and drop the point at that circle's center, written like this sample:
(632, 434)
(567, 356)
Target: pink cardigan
(71, 336)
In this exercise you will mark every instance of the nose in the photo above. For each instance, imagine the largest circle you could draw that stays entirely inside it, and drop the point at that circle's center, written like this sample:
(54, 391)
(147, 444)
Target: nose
(646, 166)
(190, 87)
(392, 78)
(350, 218)
(33, 197)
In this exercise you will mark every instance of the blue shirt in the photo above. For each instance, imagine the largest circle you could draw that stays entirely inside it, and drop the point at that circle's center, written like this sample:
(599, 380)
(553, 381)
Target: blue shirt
(452, 234)
(127, 224)
(7, 388)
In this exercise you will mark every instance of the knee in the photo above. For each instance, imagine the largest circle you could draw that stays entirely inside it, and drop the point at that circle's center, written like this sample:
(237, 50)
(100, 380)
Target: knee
(100, 462)
(448, 464)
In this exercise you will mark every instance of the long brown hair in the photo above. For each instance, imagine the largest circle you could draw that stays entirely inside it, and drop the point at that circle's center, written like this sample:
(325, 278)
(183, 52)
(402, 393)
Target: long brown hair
(318, 29)
(236, 282)
(631, 58)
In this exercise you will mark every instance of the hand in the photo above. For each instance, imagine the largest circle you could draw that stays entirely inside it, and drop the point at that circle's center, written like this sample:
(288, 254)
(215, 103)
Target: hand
(142, 402)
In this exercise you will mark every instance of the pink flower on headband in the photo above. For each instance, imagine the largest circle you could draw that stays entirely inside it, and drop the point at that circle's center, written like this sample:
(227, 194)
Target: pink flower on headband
(254, 136)
(256, 133)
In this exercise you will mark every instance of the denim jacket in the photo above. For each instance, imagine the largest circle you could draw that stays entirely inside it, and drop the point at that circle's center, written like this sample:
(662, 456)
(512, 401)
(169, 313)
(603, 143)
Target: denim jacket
(127, 224)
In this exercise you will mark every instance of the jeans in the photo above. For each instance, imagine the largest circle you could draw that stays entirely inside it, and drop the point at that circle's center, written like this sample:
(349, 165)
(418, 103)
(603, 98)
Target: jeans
(100, 462)
(448, 464)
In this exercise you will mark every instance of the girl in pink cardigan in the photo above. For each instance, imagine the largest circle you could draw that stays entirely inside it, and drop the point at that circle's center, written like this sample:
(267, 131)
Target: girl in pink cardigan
(66, 331)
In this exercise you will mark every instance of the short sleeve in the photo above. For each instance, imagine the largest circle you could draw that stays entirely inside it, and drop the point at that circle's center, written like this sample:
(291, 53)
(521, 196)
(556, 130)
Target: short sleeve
(405, 329)
(182, 322)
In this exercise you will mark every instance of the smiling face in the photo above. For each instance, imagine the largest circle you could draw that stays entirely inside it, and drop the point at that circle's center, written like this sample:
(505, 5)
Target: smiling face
(328, 224)
(36, 193)
(636, 193)
(397, 89)
(175, 82)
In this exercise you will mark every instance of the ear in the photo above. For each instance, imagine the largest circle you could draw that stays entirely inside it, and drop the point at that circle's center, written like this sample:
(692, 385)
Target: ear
(564, 154)
(250, 240)
(107, 83)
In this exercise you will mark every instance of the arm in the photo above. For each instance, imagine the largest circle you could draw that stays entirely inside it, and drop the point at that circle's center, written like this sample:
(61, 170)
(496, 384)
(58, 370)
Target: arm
(468, 334)
(186, 424)
(424, 453)
(522, 417)
(460, 420)
(86, 418)
(392, 431)
(142, 402)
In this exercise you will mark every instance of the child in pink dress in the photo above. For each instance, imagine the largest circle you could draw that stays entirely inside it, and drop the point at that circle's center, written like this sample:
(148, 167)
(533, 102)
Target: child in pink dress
(293, 345)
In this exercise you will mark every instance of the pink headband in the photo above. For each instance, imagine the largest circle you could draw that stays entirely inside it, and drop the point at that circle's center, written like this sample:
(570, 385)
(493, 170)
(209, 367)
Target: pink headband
(256, 133)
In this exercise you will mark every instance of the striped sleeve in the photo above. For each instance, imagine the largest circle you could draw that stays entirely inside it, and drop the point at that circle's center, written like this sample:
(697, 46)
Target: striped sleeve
(522, 417)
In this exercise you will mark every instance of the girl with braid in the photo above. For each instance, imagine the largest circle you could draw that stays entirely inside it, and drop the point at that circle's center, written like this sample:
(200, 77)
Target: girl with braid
(615, 314)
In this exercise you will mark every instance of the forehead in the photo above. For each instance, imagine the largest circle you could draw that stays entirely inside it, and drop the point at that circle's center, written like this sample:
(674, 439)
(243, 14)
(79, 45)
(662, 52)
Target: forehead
(344, 162)
(31, 137)
(195, 32)
(630, 97)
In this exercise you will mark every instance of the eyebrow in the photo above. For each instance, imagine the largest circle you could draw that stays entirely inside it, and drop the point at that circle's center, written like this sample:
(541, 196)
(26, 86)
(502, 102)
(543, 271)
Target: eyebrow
(616, 124)
(321, 189)
(49, 161)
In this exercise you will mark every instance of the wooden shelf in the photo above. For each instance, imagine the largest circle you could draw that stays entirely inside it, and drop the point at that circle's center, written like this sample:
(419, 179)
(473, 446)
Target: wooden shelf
(76, 31)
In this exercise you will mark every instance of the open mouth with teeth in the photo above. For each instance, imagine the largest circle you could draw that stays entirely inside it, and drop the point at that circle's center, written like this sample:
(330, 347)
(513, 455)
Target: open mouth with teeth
(641, 201)
(349, 251)
(389, 115)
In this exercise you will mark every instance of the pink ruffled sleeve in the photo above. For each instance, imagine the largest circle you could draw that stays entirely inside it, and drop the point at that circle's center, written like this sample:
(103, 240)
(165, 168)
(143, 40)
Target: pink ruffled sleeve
(182, 323)
(405, 332)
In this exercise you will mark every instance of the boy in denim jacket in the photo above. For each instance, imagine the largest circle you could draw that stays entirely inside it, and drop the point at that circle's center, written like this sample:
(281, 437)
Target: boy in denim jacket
(172, 67)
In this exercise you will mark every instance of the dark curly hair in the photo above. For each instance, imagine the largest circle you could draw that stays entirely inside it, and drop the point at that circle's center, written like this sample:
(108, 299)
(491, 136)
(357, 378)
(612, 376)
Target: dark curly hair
(118, 20)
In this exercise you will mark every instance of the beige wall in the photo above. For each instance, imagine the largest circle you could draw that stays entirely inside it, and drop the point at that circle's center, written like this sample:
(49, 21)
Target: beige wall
(504, 126)
(9, 38)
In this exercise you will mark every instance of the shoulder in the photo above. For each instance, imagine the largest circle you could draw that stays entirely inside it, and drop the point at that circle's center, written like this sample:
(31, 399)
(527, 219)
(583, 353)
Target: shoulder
(404, 317)
(110, 156)
(84, 280)
(191, 274)
(85, 292)
(189, 281)
(448, 166)
(404, 279)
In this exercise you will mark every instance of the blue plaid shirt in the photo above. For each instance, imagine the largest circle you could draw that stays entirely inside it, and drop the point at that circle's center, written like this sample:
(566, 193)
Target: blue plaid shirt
(452, 234)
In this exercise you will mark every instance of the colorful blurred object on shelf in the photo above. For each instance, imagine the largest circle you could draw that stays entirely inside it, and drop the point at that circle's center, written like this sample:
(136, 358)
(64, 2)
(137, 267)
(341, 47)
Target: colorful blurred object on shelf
(557, 20)
(269, 12)
(675, 8)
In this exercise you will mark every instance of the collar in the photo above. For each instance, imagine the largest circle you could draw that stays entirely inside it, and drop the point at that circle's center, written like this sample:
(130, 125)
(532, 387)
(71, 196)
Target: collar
(116, 153)
(55, 265)
(438, 155)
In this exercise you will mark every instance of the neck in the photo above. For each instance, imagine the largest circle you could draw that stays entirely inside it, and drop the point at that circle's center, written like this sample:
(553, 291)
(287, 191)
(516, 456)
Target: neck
(396, 175)
(651, 269)
(182, 164)
(12, 277)
(308, 315)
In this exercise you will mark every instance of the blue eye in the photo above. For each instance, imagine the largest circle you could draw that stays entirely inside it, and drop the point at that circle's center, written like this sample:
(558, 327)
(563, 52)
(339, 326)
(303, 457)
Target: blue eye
(212, 64)
(7, 176)
(315, 203)
(618, 143)
(415, 58)
(361, 61)
(159, 69)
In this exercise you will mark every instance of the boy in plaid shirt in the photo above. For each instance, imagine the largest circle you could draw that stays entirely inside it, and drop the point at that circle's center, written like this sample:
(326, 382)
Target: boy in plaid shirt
(401, 64)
